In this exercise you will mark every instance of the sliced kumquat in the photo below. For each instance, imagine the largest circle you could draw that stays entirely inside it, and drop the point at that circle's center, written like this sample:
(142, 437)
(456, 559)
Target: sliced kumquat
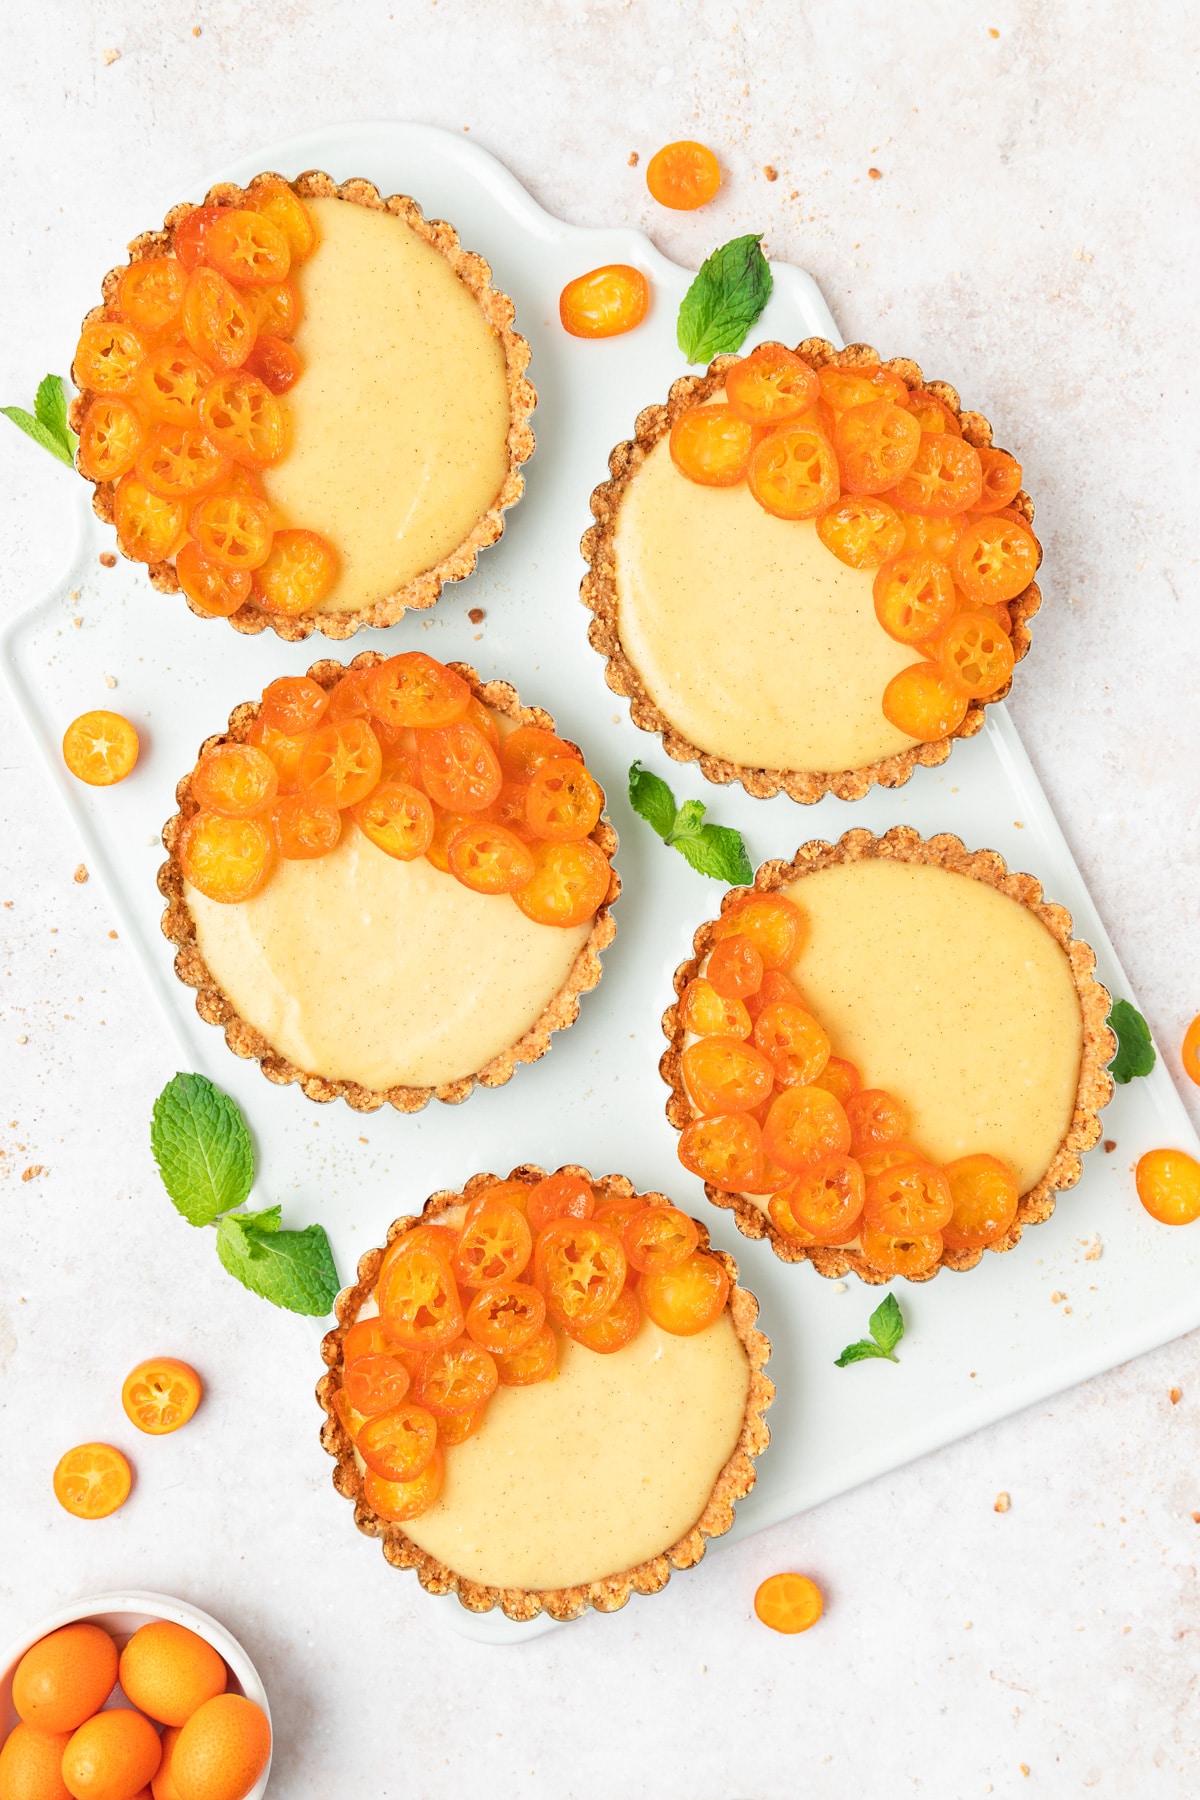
(509, 809)
(562, 801)
(275, 362)
(178, 461)
(278, 201)
(605, 302)
(923, 703)
(375, 1383)
(771, 386)
(92, 1481)
(458, 1377)
(527, 749)
(276, 310)
(213, 591)
(735, 967)
(369, 1337)
(294, 703)
(876, 1117)
(985, 1195)
(108, 356)
(725, 1150)
(413, 689)
(945, 476)
(446, 827)
(862, 531)
(617, 1213)
(569, 883)
(225, 859)
(1168, 1186)
(351, 1419)
(171, 383)
(348, 700)
(975, 654)
(804, 1125)
(1190, 1051)
(996, 558)
(724, 1074)
(496, 1245)
(683, 175)
(216, 320)
(788, 1603)
(876, 445)
(580, 1267)
(891, 1253)
(1001, 480)
(772, 923)
(340, 764)
(926, 535)
(659, 1237)
(687, 1297)
(296, 574)
(397, 818)
(839, 1078)
(238, 780)
(909, 1199)
(244, 419)
(459, 769)
(483, 719)
(775, 986)
(771, 1178)
(613, 1329)
(793, 1042)
(932, 413)
(109, 440)
(400, 1441)
(247, 247)
(489, 859)
(161, 1394)
(559, 1196)
(187, 238)
(843, 388)
(914, 597)
(150, 293)
(506, 1316)
(149, 527)
(398, 1501)
(827, 1198)
(284, 751)
(711, 445)
(709, 1014)
(887, 1156)
(534, 1362)
(100, 748)
(418, 1296)
(793, 473)
(779, 1211)
(456, 1428)
(233, 530)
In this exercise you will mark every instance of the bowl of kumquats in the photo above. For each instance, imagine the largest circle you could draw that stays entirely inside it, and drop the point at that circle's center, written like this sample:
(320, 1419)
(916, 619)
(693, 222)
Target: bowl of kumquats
(132, 1696)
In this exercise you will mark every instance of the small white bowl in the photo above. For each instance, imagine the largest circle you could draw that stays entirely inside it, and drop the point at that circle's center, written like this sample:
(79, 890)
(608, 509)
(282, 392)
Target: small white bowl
(121, 1615)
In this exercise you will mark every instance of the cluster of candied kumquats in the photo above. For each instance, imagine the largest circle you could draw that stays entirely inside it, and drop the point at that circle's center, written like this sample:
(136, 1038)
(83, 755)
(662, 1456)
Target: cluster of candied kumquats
(417, 762)
(471, 1300)
(893, 486)
(780, 1117)
(186, 369)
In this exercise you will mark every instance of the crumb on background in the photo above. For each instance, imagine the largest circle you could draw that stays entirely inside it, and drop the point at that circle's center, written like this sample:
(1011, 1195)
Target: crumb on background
(476, 615)
(107, 559)
(1110, 1145)
(1175, 1396)
(80, 874)
(108, 57)
(771, 172)
(1002, 1502)
(633, 159)
(875, 174)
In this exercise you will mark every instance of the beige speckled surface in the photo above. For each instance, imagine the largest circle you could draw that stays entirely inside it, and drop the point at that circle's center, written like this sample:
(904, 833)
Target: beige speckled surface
(1031, 239)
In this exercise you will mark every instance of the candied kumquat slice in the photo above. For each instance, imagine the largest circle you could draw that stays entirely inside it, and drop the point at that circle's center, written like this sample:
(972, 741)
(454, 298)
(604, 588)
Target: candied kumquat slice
(793, 473)
(459, 769)
(303, 829)
(414, 689)
(244, 419)
(735, 967)
(617, 1213)
(226, 859)
(1190, 1051)
(605, 302)
(779, 1211)
(149, 527)
(827, 1198)
(233, 530)
(150, 293)
(995, 559)
(340, 764)
(775, 986)
(840, 1078)
(711, 445)
(725, 1150)
(178, 461)
(613, 1329)
(562, 801)
(862, 530)
(876, 1117)
(369, 1337)
(887, 1156)
(284, 751)
(804, 1125)
(108, 356)
(772, 1178)
(929, 536)
(569, 883)
(212, 590)
(375, 1383)
(171, 383)
(489, 859)
(296, 574)
(932, 413)
(533, 1362)
(1001, 480)
(496, 1245)
(351, 1419)
(109, 440)
(772, 923)
(914, 597)
(923, 703)
(247, 247)
(294, 703)
(975, 654)
(708, 1014)
(845, 388)
(771, 386)
(236, 779)
(458, 1377)
(687, 1297)
(398, 1501)
(985, 1196)
(580, 1267)
(788, 1603)
(1168, 1186)
(527, 749)
(418, 1295)
(483, 719)
(945, 476)
(506, 1316)
(397, 818)
(276, 310)
(161, 1394)
(456, 1428)
(793, 1042)
(278, 201)
(559, 1196)
(217, 322)
(100, 748)
(683, 175)
(187, 238)
(509, 809)
(659, 1237)
(899, 1253)
(876, 445)
(724, 1074)
(92, 1480)
(276, 363)
(398, 1442)
(446, 827)
(909, 1199)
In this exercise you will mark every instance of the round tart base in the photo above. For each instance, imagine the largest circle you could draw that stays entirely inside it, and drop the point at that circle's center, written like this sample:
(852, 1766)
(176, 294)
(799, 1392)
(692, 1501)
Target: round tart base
(1094, 1086)
(498, 312)
(246, 1040)
(649, 1576)
(599, 592)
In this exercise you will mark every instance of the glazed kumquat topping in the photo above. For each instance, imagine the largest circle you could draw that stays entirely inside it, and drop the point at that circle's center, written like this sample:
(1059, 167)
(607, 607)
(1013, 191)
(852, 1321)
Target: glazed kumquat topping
(100, 748)
(605, 302)
(683, 175)
(788, 1603)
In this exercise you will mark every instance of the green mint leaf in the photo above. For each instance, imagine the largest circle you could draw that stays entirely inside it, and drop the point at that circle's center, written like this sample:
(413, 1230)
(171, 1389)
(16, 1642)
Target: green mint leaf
(202, 1148)
(651, 799)
(51, 409)
(1135, 1053)
(886, 1324)
(859, 1353)
(725, 299)
(40, 433)
(291, 1269)
(717, 851)
(687, 820)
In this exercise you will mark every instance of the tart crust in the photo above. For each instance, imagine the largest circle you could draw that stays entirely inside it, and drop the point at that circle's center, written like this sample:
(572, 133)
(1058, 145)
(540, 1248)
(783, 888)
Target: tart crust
(424, 589)
(733, 1483)
(245, 1040)
(1095, 1086)
(599, 590)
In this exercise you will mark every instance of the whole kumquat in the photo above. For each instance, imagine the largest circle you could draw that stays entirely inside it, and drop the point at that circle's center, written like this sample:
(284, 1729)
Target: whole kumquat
(111, 1757)
(65, 1677)
(168, 1672)
(222, 1750)
(1190, 1051)
(31, 1764)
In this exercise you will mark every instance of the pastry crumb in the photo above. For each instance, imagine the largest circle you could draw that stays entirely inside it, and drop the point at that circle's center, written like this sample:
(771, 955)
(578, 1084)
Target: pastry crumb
(80, 874)
(77, 622)
(1175, 1396)
(107, 559)
(112, 934)
(195, 31)
(992, 32)
(633, 159)
(1002, 1502)
(33, 1171)
(839, 1287)
(1056, 1296)
(1196, 1518)
(22, 1040)
(476, 615)
(771, 172)
(1024, 1768)
(1093, 1249)
(875, 174)
(109, 57)
(110, 681)
(970, 1625)
(1020, 824)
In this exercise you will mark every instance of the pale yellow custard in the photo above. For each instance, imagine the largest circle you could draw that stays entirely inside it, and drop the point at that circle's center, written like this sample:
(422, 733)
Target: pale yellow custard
(586, 1475)
(753, 640)
(400, 418)
(361, 968)
(952, 996)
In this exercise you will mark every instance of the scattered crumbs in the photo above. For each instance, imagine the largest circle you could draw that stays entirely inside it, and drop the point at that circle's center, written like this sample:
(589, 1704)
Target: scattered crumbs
(80, 874)
(1024, 1768)
(1093, 1249)
(633, 159)
(107, 560)
(1020, 824)
(1110, 1145)
(33, 1171)
(112, 934)
(1196, 1518)
(154, 841)
(195, 31)
(839, 1287)
(771, 172)
(954, 790)
(875, 174)
(22, 1040)
(476, 615)
(1056, 1296)
(1002, 1503)
(992, 32)
(1175, 1396)
(616, 719)
(110, 681)
(1066, 1309)
(972, 1375)
(77, 622)
(109, 57)
(363, 1140)
(970, 1625)
(73, 594)
(475, 636)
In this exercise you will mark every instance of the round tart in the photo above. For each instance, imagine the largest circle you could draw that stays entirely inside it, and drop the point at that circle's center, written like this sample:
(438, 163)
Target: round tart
(303, 404)
(559, 1476)
(781, 605)
(888, 1055)
(381, 912)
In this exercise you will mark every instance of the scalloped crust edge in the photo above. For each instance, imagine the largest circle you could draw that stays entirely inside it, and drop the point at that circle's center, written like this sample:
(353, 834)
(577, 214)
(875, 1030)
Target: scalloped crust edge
(215, 1008)
(598, 591)
(1095, 1088)
(734, 1482)
(424, 589)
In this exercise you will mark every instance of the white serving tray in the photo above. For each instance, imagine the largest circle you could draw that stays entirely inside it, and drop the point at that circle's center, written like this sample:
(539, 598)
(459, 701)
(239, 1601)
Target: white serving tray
(977, 1347)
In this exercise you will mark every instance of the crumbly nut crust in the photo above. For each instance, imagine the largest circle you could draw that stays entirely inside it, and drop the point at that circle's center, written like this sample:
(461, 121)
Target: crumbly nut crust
(903, 844)
(599, 590)
(499, 312)
(215, 1008)
(733, 1483)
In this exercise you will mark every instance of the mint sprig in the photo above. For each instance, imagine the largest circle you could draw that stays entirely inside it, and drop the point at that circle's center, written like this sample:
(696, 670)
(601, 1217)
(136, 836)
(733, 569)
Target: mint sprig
(206, 1160)
(725, 300)
(715, 850)
(886, 1326)
(1135, 1053)
(47, 424)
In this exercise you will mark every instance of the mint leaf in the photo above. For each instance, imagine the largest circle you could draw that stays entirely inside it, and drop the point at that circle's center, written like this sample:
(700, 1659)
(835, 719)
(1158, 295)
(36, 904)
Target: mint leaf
(291, 1269)
(202, 1148)
(40, 433)
(1135, 1053)
(651, 799)
(717, 851)
(886, 1326)
(725, 299)
(859, 1352)
(51, 409)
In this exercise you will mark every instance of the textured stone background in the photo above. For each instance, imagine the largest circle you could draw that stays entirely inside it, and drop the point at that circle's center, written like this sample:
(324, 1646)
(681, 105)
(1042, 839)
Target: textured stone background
(1031, 238)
